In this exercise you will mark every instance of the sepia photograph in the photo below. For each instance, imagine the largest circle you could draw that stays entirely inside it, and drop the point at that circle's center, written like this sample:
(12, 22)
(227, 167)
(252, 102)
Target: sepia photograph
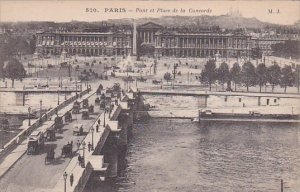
(149, 96)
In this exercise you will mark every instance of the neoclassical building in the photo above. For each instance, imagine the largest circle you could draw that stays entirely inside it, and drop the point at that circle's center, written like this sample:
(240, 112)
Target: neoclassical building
(150, 39)
(196, 44)
(85, 43)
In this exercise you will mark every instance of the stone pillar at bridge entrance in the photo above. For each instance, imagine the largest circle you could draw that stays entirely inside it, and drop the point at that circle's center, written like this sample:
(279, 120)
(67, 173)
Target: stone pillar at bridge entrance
(110, 152)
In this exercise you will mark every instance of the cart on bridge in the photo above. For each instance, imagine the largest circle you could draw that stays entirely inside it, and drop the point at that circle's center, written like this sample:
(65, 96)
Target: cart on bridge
(50, 134)
(91, 108)
(68, 117)
(85, 104)
(35, 142)
(97, 101)
(76, 107)
(66, 151)
(78, 129)
(85, 114)
(58, 123)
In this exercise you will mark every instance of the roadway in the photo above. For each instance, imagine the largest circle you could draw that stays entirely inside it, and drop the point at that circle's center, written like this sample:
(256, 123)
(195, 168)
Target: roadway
(30, 174)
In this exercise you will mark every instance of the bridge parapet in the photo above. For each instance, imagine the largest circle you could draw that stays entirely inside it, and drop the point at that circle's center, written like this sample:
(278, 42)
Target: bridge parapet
(93, 161)
(17, 147)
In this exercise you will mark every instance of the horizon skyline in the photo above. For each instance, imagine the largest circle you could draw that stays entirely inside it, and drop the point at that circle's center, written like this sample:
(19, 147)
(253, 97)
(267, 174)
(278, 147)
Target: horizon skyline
(138, 18)
(68, 11)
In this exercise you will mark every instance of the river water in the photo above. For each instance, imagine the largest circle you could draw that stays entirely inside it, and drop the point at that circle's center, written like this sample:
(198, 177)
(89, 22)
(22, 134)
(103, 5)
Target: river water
(180, 155)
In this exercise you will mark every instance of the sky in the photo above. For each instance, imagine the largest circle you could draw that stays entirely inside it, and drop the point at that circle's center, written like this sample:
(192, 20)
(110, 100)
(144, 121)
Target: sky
(64, 11)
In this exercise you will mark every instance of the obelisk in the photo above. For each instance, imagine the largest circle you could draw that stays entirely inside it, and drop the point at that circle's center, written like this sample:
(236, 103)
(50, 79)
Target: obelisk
(134, 39)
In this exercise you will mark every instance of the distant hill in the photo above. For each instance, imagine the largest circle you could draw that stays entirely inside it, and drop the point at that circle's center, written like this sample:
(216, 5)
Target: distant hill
(204, 21)
(223, 21)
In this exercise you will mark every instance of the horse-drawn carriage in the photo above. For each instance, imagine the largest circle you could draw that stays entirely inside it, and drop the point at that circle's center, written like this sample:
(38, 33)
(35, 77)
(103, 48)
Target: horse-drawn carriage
(76, 107)
(100, 88)
(109, 93)
(68, 117)
(58, 123)
(66, 151)
(50, 156)
(50, 134)
(78, 129)
(102, 97)
(91, 108)
(35, 142)
(97, 101)
(85, 114)
(102, 104)
(85, 104)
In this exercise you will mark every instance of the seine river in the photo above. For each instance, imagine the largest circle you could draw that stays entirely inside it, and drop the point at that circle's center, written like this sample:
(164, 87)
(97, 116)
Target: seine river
(180, 155)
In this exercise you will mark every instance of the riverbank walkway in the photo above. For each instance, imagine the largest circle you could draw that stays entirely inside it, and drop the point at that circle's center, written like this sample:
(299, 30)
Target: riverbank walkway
(65, 89)
(207, 93)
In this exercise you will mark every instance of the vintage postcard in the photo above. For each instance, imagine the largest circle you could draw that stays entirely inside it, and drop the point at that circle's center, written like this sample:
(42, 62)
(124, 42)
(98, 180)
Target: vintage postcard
(158, 96)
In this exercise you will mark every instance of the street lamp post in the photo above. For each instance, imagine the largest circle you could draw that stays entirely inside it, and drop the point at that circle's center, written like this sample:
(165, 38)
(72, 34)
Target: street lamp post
(57, 97)
(2, 138)
(76, 73)
(83, 147)
(29, 109)
(174, 74)
(65, 92)
(104, 117)
(65, 175)
(92, 130)
(41, 102)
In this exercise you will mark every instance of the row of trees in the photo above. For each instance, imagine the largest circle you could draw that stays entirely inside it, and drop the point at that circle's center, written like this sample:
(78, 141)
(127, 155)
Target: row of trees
(249, 75)
(10, 47)
(287, 49)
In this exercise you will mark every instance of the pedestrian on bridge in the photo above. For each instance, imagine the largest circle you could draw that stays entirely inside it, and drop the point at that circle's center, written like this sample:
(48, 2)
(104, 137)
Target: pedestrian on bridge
(78, 145)
(79, 160)
(71, 179)
(97, 127)
(89, 146)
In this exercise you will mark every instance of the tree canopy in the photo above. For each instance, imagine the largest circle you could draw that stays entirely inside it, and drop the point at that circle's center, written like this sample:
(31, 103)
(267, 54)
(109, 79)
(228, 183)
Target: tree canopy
(223, 74)
(235, 73)
(248, 74)
(208, 74)
(12, 45)
(13, 69)
(273, 76)
(261, 74)
(287, 78)
(287, 49)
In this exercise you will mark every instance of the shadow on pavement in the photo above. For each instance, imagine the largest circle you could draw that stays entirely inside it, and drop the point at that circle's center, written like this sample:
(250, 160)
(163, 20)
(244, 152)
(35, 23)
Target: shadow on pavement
(47, 147)
(89, 118)
(57, 161)
(61, 131)
(59, 137)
